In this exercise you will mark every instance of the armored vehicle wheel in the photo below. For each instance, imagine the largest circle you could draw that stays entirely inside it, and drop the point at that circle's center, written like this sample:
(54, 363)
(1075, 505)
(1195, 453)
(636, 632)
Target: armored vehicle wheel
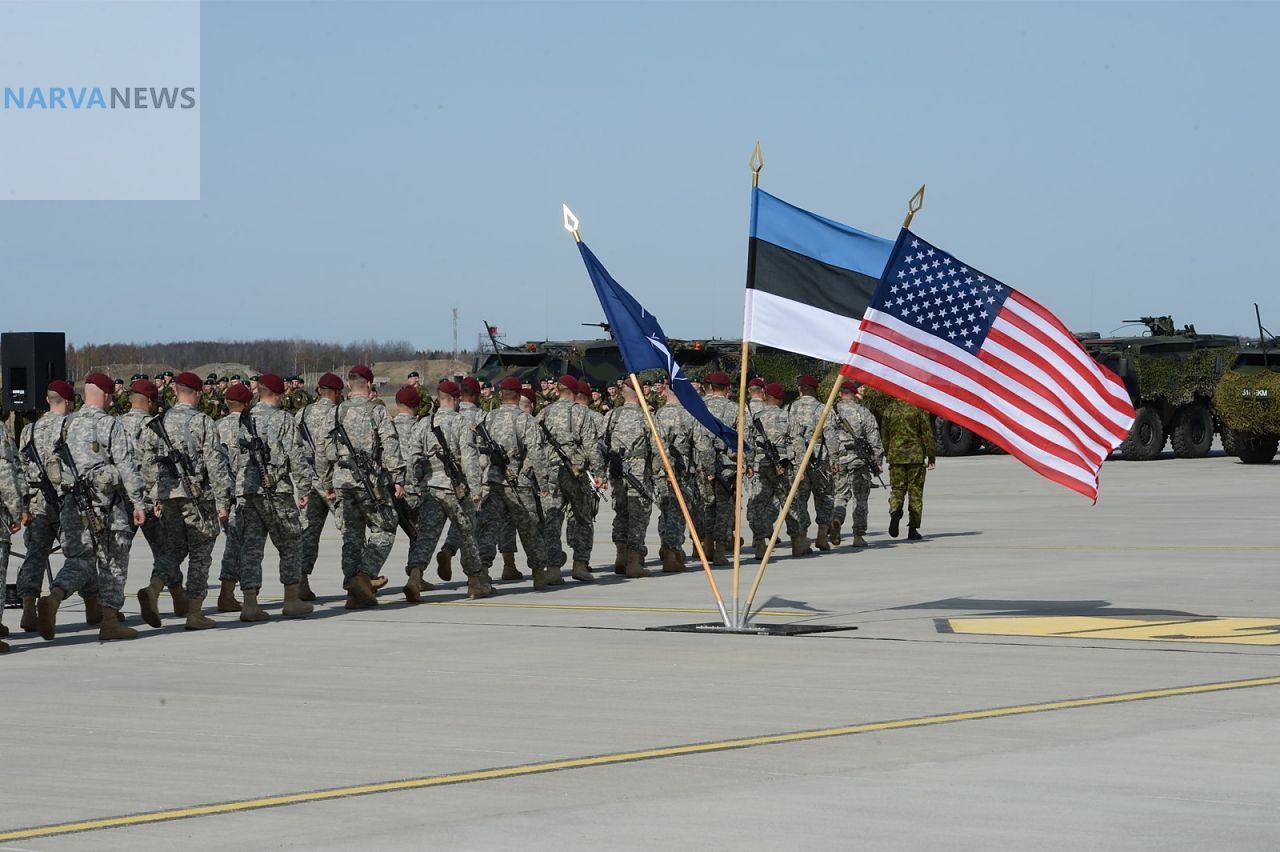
(954, 439)
(1229, 443)
(1146, 438)
(1192, 433)
(1253, 449)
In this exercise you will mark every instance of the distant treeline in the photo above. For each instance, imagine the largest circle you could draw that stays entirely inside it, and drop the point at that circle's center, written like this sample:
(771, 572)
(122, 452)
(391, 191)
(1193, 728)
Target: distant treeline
(273, 356)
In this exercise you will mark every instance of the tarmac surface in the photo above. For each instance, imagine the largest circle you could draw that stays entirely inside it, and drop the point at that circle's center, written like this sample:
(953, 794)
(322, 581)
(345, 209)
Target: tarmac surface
(1002, 690)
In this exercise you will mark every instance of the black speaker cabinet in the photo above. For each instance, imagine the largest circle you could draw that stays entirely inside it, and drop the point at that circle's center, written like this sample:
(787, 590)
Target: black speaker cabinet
(29, 360)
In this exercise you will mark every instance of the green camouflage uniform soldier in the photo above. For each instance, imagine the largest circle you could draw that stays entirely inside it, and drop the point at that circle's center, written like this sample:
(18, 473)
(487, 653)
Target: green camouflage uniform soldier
(443, 498)
(850, 426)
(910, 449)
(192, 497)
(119, 399)
(315, 425)
(718, 466)
(166, 398)
(677, 428)
(804, 413)
(426, 405)
(771, 433)
(40, 535)
(142, 403)
(571, 486)
(629, 449)
(269, 507)
(514, 494)
(228, 435)
(96, 554)
(210, 405)
(12, 511)
(580, 526)
(368, 524)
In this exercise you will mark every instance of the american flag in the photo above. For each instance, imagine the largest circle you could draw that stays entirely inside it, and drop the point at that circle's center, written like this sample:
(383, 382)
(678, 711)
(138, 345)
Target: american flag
(962, 345)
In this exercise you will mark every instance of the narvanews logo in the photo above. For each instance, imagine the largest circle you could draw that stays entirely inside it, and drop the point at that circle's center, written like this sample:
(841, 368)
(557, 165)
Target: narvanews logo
(138, 97)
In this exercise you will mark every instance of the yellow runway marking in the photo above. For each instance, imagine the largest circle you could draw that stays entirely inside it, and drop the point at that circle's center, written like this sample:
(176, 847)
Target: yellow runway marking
(603, 608)
(1234, 631)
(617, 758)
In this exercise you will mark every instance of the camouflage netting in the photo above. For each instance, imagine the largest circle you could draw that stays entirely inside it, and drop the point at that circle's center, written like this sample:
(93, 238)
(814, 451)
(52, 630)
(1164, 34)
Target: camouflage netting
(1249, 415)
(1183, 380)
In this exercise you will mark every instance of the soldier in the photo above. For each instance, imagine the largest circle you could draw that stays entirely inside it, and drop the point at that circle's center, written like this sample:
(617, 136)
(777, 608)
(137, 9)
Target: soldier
(471, 413)
(166, 397)
(368, 522)
(119, 399)
(580, 527)
(427, 404)
(628, 449)
(716, 459)
(857, 442)
(773, 457)
(677, 428)
(96, 543)
(315, 425)
(210, 406)
(405, 422)
(910, 450)
(517, 487)
(755, 395)
(275, 481)
(143, 395)
(572, 451)
(44, 500)
(804, 413)
(228, 436)
(450, 480)
(12, 513)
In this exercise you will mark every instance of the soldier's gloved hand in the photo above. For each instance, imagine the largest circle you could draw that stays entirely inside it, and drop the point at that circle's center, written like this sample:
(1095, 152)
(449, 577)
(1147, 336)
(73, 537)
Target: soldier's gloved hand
(140, 517)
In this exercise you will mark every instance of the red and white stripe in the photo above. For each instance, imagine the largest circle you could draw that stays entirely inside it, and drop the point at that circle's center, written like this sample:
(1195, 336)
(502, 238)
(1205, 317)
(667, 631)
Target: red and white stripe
(1031, 389)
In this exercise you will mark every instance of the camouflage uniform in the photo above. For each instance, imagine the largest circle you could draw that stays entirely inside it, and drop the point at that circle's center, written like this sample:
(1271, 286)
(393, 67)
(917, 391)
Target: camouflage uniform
(103, 454)
(368, 526)
(772, 484)
(513, 499)
(227, 434)
(676, 427)
(296, 400)
(803, 414)
(440, 500)
(135, 421)
(580, 525)
(316, 422)
(211, 405)
(471, 414)
(11, 500)
(167, 399)
(629, 447)
(717, 460)
(406, 426)
(908, 447)
(43, 532)
(189, 523)
(570, 484)
(270, 509)
(850, 422)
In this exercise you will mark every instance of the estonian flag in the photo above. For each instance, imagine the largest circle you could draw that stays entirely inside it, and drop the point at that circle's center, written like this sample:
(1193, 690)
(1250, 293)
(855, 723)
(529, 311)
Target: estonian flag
(809, 279)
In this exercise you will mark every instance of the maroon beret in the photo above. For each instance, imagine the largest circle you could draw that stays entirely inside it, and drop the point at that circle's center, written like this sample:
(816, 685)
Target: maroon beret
(510, 383)
(719, 377)
(240, 393)
(850, 386)
(471, 384)
(271, 382)
(450, 388)
(408, 395)
(146, 387)
(360, 371)
(63, 389)
(528, 394)
(189, 380)
(329, 381)
(757, 382)
(101, 381)
(807, 382)
(775, 390)
(568, 381)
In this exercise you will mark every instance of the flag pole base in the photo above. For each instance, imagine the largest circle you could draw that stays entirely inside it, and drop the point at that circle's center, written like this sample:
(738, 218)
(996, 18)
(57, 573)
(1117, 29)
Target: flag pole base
(754, 629)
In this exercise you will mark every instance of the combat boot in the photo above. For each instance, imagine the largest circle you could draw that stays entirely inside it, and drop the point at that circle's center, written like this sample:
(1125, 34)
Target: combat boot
(719, 554)
(620, 562)
(360, 593)
(47, 613)
(800, 545)
(413, 588)
(509, 570)
(112, 629)
(821, 543)
(251, 611)
(833, 535)
(895, 518)
(635, 565)
(582, 572)
(479, 587)
(180, 602)
(554, 577)
(859, 541)
(92, 612)
(444, 564)
(293, 605)
(196, 620)
(670, 562)
(381, 580)
(913, 534)
(227, 597)
(149, 601)
(29, 622)
(760, 545)
(539, 579)
(304, 589)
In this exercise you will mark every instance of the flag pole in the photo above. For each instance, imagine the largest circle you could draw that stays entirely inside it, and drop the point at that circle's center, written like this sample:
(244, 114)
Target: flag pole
(756, 163)
(675, 487)
(913, 207)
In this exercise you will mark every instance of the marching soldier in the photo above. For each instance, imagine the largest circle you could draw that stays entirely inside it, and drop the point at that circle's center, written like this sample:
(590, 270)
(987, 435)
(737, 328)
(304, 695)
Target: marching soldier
(12, 513)
(405, 422)
(143, 395)
(628, 449)
(717, 494)
(44, 500)
(677, 428)
(315, 425)
(99, 470)
(228, 435)
(472, 415)
(910, 448)
(564, 428)
(773, 455)
(755, 395)
(857, 459)
(804, 413)
(580, 528)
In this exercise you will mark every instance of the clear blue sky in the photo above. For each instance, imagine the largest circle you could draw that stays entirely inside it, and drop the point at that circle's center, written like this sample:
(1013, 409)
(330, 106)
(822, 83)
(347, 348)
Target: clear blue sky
(367, 166)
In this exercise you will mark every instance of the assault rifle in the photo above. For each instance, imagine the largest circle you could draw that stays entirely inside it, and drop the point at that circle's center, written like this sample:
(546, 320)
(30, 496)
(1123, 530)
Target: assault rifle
(451, 467)
(780, 465)
(361, 466)
(179, 465)
(559, 450)
(861, 446)
(259, 452)
(501, 459)
(618, 470)
(45, 484)
(81, 495)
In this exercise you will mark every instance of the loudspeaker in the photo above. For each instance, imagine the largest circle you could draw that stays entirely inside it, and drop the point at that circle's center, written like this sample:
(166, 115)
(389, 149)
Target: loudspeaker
(29, 360)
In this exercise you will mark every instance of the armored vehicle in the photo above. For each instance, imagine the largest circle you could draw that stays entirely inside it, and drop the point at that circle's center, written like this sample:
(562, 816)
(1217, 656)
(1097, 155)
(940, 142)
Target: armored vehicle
(1247, 402)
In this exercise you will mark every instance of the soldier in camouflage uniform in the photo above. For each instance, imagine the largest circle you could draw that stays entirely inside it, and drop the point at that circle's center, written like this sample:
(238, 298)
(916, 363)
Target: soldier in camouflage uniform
(368, 524)
(910, 449)
(851, 426)
(405, 422)
(192, 497)
(568, 438)
(227, 430)
(315, 425)
(426, 404)
(269, 506)
(103, 456)
(448, 468)
(166, 398)
(209, 406)
(142, 405)
(42, 533)
(514, 493)
(12, 513)
(297, 397)
(718, 466)
(580, 525)
(677, 428)
(771, 430)
(804, 413)
(629, 449)
(119, 399)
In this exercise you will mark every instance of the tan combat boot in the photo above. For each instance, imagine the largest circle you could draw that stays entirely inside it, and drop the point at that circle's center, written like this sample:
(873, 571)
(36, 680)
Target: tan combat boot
(111, 628)
(29, 622)
(833, 535)
(196, 620)
(719, 554)
(554, 578)
(92, 612)
(800, 545)
(635, 565)
(822, 543)
(413, 588)
(671, 562)
(251, 611)
(47, 613)
(180, 602)
(149, 601)
(859, 541)
(304, 589)
(293, 604)
(759, 546)
(582, 572)
(620, 561)
(479, 587)
(227, 597)
(381, 580)
(444, 564)
(509, 569)
(360, 592)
